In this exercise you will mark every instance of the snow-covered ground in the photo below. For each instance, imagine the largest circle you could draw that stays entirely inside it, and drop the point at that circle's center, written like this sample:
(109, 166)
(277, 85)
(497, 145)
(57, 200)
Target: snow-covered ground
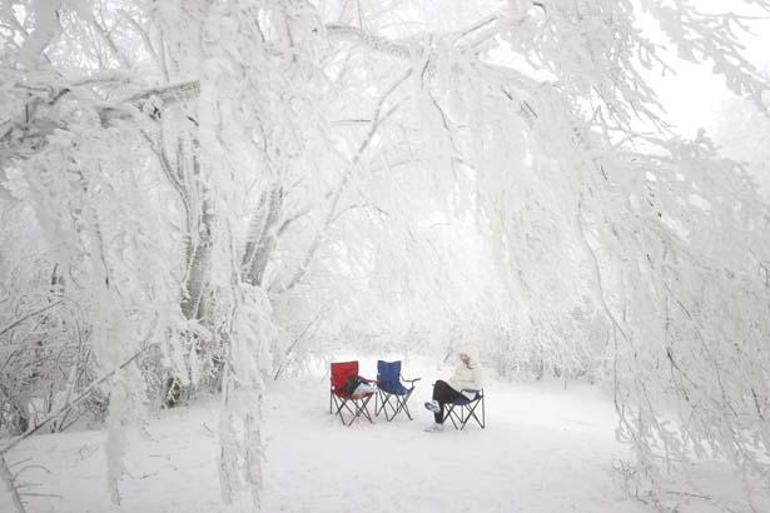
(545, 450)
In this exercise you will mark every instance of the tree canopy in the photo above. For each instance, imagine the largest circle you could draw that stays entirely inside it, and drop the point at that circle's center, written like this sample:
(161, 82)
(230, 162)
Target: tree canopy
(219, 191)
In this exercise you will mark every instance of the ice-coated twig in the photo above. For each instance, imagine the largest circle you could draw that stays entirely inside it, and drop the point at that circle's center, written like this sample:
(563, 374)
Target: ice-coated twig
(8, 479)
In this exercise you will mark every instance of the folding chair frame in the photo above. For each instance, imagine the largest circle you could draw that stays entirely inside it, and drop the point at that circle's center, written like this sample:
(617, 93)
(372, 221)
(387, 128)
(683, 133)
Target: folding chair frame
(399, 400)
(356, 405)
(337, 403)
(467, 411)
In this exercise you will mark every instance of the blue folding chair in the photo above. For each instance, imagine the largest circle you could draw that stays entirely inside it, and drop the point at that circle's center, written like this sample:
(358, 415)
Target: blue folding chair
(391, 392)
(462, 410)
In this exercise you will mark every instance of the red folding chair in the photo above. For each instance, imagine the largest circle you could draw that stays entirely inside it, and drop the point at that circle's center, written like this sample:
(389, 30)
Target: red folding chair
(340, 399)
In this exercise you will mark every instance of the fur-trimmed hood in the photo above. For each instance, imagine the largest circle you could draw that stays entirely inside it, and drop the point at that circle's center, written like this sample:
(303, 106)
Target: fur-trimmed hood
(470, 377)
(472, 350)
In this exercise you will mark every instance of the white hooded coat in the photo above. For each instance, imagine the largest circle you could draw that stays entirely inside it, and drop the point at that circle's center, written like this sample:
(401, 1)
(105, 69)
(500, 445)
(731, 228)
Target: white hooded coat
(470, 376)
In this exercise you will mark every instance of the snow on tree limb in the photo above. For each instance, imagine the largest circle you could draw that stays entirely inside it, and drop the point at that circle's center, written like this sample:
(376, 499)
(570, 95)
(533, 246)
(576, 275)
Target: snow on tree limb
(507, 176)
(73, 402)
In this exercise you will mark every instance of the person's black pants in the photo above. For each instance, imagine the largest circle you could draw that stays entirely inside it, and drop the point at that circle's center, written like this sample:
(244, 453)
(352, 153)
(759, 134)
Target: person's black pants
(442, 394)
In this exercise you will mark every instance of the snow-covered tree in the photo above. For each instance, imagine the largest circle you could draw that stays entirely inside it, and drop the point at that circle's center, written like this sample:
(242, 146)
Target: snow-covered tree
(214, 186)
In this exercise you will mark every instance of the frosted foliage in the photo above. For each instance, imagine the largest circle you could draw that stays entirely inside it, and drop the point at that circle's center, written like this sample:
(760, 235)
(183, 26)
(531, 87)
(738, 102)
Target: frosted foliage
(692, 340)
(98, 231)
(198, 197)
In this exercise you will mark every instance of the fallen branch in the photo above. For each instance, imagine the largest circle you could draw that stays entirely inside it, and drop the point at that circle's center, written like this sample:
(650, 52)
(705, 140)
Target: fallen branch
(32, 314)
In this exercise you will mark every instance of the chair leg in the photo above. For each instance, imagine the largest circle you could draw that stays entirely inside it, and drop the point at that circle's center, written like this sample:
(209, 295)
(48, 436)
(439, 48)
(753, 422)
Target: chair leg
(361, 409)
(341, 403)
(464, 416)
(393, 410)
(401, 405)
(471, 413)
(390, 416)
(460, 414)
(391, 405)
(349, 410)
(344, 403)
(450, 413)
(397, 407)
(365, 409)
(384, 405)
(483, 422)
(406, 408)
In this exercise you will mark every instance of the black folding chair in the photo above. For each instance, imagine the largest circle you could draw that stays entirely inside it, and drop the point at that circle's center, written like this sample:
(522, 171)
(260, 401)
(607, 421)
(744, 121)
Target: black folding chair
(462, 410)
(391, 392)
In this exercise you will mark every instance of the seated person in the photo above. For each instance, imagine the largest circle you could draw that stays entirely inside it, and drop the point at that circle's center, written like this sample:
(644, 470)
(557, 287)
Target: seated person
(467, 375)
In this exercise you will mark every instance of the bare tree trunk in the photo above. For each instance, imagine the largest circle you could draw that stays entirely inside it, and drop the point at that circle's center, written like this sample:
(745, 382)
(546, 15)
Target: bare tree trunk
(198, 256)
(262, 235)
(199, 248)
(185, 175)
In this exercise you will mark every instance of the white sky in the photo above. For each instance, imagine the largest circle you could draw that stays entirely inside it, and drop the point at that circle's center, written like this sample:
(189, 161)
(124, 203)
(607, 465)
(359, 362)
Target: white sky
(697, 98)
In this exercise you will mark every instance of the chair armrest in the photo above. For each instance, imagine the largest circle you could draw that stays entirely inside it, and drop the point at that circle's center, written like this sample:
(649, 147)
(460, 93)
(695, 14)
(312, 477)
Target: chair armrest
(409, 380)
(478, 391)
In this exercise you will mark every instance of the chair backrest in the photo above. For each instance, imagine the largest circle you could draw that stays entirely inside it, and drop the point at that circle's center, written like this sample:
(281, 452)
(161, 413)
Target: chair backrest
(341, 371)
(388, 372)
